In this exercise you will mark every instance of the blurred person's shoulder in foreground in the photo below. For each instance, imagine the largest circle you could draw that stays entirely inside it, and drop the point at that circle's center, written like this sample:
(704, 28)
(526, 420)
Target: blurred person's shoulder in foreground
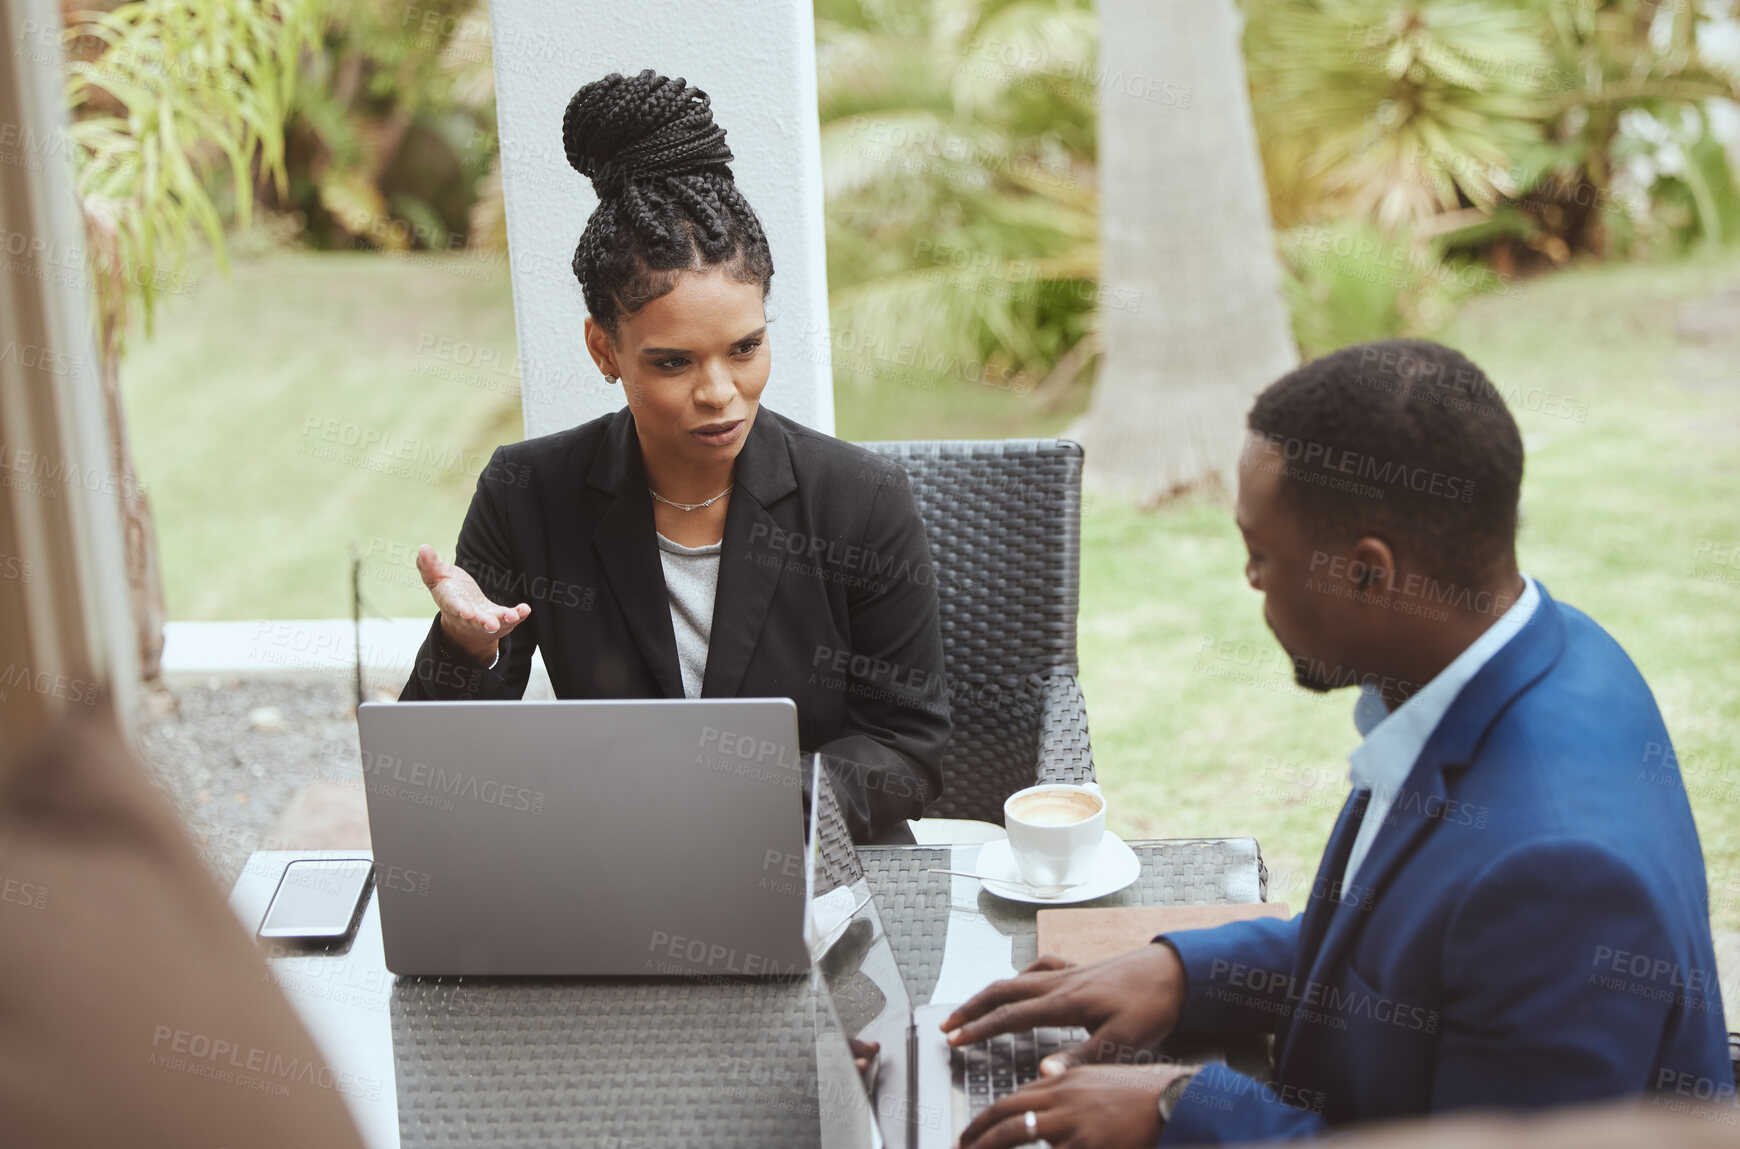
(134, 1008)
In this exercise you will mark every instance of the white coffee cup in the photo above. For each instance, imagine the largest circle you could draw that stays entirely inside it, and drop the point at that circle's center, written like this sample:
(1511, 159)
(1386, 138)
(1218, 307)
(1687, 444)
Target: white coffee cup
(1055, 831)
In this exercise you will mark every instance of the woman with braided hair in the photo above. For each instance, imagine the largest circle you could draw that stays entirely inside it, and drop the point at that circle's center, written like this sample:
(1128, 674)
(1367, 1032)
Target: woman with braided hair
(695, 544)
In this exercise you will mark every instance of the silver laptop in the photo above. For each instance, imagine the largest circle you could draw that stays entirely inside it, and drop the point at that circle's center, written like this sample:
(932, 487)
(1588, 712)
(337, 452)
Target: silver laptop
(917, 1092)
(643, 837)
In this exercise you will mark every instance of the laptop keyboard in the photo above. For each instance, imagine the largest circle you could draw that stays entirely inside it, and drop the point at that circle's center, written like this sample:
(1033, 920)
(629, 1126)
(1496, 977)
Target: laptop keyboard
(998, 1067)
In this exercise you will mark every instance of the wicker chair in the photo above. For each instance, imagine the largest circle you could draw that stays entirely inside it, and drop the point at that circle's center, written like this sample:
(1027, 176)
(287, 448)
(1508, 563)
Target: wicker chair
(1004, 523)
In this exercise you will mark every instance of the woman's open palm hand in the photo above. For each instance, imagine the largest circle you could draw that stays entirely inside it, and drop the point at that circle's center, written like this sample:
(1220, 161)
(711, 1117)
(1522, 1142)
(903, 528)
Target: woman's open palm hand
(469, 619)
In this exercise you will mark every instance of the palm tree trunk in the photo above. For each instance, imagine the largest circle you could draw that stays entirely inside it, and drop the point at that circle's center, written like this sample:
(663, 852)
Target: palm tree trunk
(1197, 324)
(139, 530)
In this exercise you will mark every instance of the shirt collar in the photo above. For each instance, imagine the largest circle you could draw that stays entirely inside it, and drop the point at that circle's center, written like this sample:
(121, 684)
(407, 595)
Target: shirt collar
(1393, 740)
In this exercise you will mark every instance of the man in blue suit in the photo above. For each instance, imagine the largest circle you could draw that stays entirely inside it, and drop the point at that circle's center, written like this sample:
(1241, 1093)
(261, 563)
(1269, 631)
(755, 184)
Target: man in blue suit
(1511, 911)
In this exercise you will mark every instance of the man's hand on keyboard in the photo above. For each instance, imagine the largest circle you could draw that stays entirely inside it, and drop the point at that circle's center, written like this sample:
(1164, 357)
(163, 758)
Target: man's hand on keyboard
(1085, 1107)
(1127, 1003)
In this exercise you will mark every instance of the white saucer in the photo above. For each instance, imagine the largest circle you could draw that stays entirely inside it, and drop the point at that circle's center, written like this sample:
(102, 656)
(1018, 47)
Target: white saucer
(1118, 867)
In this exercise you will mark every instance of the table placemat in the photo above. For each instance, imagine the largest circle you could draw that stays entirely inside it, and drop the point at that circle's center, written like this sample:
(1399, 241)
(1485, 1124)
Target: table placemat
(619, 1066)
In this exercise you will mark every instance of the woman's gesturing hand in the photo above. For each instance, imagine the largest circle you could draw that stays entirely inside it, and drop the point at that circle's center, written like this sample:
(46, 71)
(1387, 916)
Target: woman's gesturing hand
(469, 619)
(1128, 1002)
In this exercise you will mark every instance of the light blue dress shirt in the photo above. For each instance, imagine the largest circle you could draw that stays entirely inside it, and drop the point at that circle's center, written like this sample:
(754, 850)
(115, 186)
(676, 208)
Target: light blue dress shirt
(1393, 741)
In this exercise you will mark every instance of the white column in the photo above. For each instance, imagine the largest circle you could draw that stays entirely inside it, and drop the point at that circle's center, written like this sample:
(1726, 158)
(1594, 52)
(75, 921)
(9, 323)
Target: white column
(756, 59)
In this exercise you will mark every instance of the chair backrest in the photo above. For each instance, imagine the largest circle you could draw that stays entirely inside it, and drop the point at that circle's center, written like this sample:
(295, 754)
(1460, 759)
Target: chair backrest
(1004, 522)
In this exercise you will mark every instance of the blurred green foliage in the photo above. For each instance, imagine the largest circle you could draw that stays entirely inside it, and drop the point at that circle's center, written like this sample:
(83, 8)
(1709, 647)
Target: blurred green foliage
(1348, 281)
(1368, 108)
(1449, 147)
(1417, 153)
(173, 106)
(394, 138)
(957, 154)
(958, 146)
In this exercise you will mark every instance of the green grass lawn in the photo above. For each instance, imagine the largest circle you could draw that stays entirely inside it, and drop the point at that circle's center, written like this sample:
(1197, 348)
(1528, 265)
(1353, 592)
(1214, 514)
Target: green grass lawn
(1197, 727)
(311, 401)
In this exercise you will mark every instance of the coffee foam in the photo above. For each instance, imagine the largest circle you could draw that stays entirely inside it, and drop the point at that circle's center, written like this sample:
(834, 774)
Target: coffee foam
(1055, 808)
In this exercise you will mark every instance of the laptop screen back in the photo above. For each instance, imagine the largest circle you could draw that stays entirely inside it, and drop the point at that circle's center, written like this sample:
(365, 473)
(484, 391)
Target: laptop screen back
(583, 837)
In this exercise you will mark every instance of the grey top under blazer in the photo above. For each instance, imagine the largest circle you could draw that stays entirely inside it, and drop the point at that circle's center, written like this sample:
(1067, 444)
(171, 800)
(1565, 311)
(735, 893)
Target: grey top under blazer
(826, 596)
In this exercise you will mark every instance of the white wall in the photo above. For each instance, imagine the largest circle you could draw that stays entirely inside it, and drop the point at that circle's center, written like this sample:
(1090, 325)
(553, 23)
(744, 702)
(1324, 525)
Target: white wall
(756, 59)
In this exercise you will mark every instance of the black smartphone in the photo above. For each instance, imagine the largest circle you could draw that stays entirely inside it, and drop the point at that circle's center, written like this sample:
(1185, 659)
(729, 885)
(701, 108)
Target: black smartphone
(319, 901)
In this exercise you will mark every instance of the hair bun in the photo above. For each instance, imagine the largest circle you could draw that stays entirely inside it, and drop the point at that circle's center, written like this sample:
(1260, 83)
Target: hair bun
(621, 129)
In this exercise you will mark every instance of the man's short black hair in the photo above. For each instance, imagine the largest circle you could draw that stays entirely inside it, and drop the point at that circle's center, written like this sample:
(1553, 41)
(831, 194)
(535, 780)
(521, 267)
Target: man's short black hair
(1403, 439)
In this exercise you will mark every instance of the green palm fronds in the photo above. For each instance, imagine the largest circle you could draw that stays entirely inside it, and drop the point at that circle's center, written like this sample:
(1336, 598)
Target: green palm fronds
(1036, 45)
(957, 158)
(1407, 113)
(387, 73)
(174, 92)
(1376, 109)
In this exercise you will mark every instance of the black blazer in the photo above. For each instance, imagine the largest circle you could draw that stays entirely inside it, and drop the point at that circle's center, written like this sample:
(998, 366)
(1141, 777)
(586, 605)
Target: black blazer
(826, 596)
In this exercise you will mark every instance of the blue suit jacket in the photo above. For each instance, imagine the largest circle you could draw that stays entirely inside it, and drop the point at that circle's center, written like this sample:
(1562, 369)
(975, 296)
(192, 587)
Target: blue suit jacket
(1529, 929)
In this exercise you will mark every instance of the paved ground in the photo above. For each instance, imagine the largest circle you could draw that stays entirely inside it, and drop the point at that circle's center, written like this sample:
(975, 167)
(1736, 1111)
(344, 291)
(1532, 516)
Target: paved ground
(265, 762)
(234, 753)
